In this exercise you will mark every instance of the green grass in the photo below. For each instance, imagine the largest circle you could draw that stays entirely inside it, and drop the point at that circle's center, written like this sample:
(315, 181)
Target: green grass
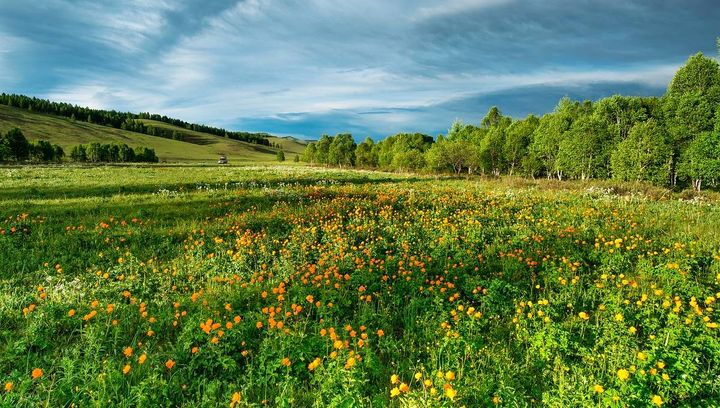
(501, 292)
(199, 147)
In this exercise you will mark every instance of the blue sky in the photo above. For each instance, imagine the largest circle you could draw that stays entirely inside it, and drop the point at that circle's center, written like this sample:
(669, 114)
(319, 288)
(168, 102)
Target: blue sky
(370, 67)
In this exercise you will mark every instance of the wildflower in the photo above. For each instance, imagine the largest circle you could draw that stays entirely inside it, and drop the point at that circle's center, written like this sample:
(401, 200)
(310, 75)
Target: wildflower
(583, 316)
(394, 379)
(657, 400)
(235, 399)
(418, 376)
(623, 374)
(449, 375)
(380, 333)
(598, 388)
(36, 373)
(142, 358)
(314, 364)
(404, 387)
(394, 392)
(71, 312)
(450, 391)
(128, 352)
(170, 364)
(9, 386)
(286, 362)
(126, 369)
(350, 363)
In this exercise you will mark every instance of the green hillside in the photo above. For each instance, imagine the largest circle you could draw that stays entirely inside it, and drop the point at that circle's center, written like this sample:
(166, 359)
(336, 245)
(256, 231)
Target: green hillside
(230, 147)
(195, 146)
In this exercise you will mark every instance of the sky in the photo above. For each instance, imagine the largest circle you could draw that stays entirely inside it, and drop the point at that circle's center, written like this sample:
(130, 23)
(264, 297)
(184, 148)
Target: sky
(368, 67)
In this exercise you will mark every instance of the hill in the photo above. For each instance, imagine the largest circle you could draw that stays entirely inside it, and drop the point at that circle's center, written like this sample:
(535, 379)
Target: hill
(195, 146)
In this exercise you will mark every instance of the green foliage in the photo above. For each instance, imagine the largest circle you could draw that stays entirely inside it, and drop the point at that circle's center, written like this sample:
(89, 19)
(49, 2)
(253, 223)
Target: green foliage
(309, 154)
(701, 161)
(365, 154)
(699, 76)
(585, 153)
(342, 150)
(17, 146)
(644, 156)
(280, 156)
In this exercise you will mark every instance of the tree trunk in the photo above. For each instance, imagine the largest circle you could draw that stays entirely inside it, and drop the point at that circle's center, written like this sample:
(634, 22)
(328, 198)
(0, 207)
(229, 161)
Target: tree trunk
(697, 184)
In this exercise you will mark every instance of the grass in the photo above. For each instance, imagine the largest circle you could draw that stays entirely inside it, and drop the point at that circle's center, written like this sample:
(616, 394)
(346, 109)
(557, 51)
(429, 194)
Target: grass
(199, 147)
(297, 286)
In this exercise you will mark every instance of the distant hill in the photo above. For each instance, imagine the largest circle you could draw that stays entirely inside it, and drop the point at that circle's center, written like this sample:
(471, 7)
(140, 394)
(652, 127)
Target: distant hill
(191, 146)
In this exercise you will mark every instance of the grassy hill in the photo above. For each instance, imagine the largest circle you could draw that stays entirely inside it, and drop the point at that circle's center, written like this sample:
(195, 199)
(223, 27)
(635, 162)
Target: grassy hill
(195, 146)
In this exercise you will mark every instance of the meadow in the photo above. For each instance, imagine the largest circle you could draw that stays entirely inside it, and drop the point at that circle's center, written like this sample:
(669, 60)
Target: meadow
(295, 286)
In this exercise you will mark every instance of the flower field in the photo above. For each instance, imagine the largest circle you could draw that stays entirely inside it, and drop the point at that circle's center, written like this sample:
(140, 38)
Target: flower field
(194, 286)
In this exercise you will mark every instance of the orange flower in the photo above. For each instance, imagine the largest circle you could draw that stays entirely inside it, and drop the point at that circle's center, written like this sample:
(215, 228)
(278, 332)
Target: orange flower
(350, 363)
(128, 351)
(142, 358)
(286, 362)
(9, 386)
(36, 373)
(126, 369)
(170, 364)
(259, 325)
(71, 312)
(380, 333)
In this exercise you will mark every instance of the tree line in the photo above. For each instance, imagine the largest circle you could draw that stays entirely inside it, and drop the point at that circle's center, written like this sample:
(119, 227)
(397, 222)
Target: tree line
(14, 147)
(673, 140)
(112, 153)
(125, 120)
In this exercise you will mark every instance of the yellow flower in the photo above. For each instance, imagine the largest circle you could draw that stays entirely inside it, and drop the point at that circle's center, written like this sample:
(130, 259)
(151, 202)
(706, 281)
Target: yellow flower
(394, 392)
(449, 375)
(657, 400)
(598, 388)
(404, 387)
(623, 374)
(235, 399)
(583, 316)
(394, 379)
(350, 363)
(450, 392)
(632, 330)
(641, 356)
(128, 352)
(142, 358)
(126, 369)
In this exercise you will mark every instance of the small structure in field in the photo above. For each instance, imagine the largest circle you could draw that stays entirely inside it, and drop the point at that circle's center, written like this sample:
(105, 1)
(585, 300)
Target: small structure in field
(223, 159)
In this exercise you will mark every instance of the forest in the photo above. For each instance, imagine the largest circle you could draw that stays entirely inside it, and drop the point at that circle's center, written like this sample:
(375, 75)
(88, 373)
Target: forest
(672, 140)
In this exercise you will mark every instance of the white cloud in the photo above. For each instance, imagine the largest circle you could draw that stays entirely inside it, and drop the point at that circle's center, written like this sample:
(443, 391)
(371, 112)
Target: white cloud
(455, 7)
